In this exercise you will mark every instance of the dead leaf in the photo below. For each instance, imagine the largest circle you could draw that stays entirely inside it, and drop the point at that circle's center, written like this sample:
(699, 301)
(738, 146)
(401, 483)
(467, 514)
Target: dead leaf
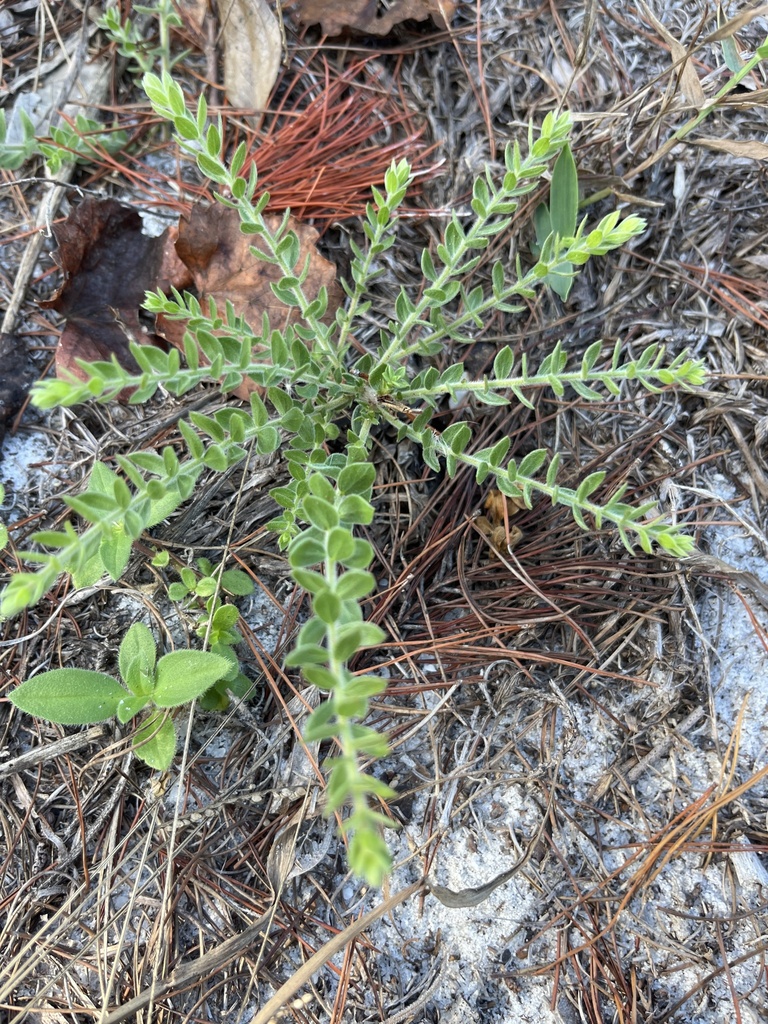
(748, 149)
(689, 80)
(250, 36)
(736, 23)
(368, 16)
(108, 265)
(193, 14)
(218, 255)
(16, 376)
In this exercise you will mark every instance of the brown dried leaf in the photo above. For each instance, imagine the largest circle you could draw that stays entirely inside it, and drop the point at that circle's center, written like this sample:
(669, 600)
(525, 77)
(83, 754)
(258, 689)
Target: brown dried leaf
(108, 265)
(738, 22)
(367, 16)
(217, 253)
(250, 36)
(748, 149)
(193, 14)
(689, 80)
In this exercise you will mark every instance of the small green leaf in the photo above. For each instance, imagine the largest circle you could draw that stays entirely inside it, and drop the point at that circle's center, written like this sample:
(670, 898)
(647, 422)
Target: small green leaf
(589, 485)
(369, 857)
(339, 544)
(365, 686)
(307, 654)
(321, 488)
(532, 462)
(305, 551)
(312, 582)
(155, 741)
(354, 636)
(137, 656)
(327, 606)
(225, 617)
(205, 586)
(69, 696)
(183, 675)
(312, 632)
(321, 677)
(564, 194)
(357, 478)
(361, 555)
(128, 707)
(355, 510)
(457, 436)
(354, 584)
(320, 512)
(319, 726)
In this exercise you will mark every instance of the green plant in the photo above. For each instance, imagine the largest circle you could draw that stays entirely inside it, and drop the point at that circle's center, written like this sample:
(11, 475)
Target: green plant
(79, 142)
(132, 41)
(311, 377)
(76, 696)
(559, 218)
(3, 528)
(217, 621)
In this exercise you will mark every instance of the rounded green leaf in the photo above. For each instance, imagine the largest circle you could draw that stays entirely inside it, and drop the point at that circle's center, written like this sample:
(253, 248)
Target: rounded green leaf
(307, 654)
(312, 582)
(321, 487)
(312, 632)
(237, 582)
(155, 741)
(130, 706)
(365, 686)
(137, 658)
(268, 440)
(355, 583)
(206, 586)
(305, 551)
(225, 617)
(357, 478)
(327, 606)
(360, 557)
(350, 638)
(320, 512)
(339, 544)
(69, 696)
(183, 675)
(321, 676)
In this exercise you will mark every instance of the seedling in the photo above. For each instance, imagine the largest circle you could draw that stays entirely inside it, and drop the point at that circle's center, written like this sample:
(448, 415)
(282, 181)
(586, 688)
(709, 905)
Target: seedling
(132, 41)
(76, 696)
(80, 142)
(217, 621)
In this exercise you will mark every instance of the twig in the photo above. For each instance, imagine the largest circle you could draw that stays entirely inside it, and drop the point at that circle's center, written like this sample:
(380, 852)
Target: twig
(324, 954)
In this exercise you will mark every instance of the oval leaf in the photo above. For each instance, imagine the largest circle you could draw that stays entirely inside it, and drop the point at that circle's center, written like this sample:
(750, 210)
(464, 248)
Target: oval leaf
(69, 696)
(183, 675)
(155, 741)
(137, 655)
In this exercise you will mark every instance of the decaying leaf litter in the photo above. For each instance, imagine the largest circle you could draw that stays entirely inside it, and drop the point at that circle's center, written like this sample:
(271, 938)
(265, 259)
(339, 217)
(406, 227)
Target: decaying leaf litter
(597, 716)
